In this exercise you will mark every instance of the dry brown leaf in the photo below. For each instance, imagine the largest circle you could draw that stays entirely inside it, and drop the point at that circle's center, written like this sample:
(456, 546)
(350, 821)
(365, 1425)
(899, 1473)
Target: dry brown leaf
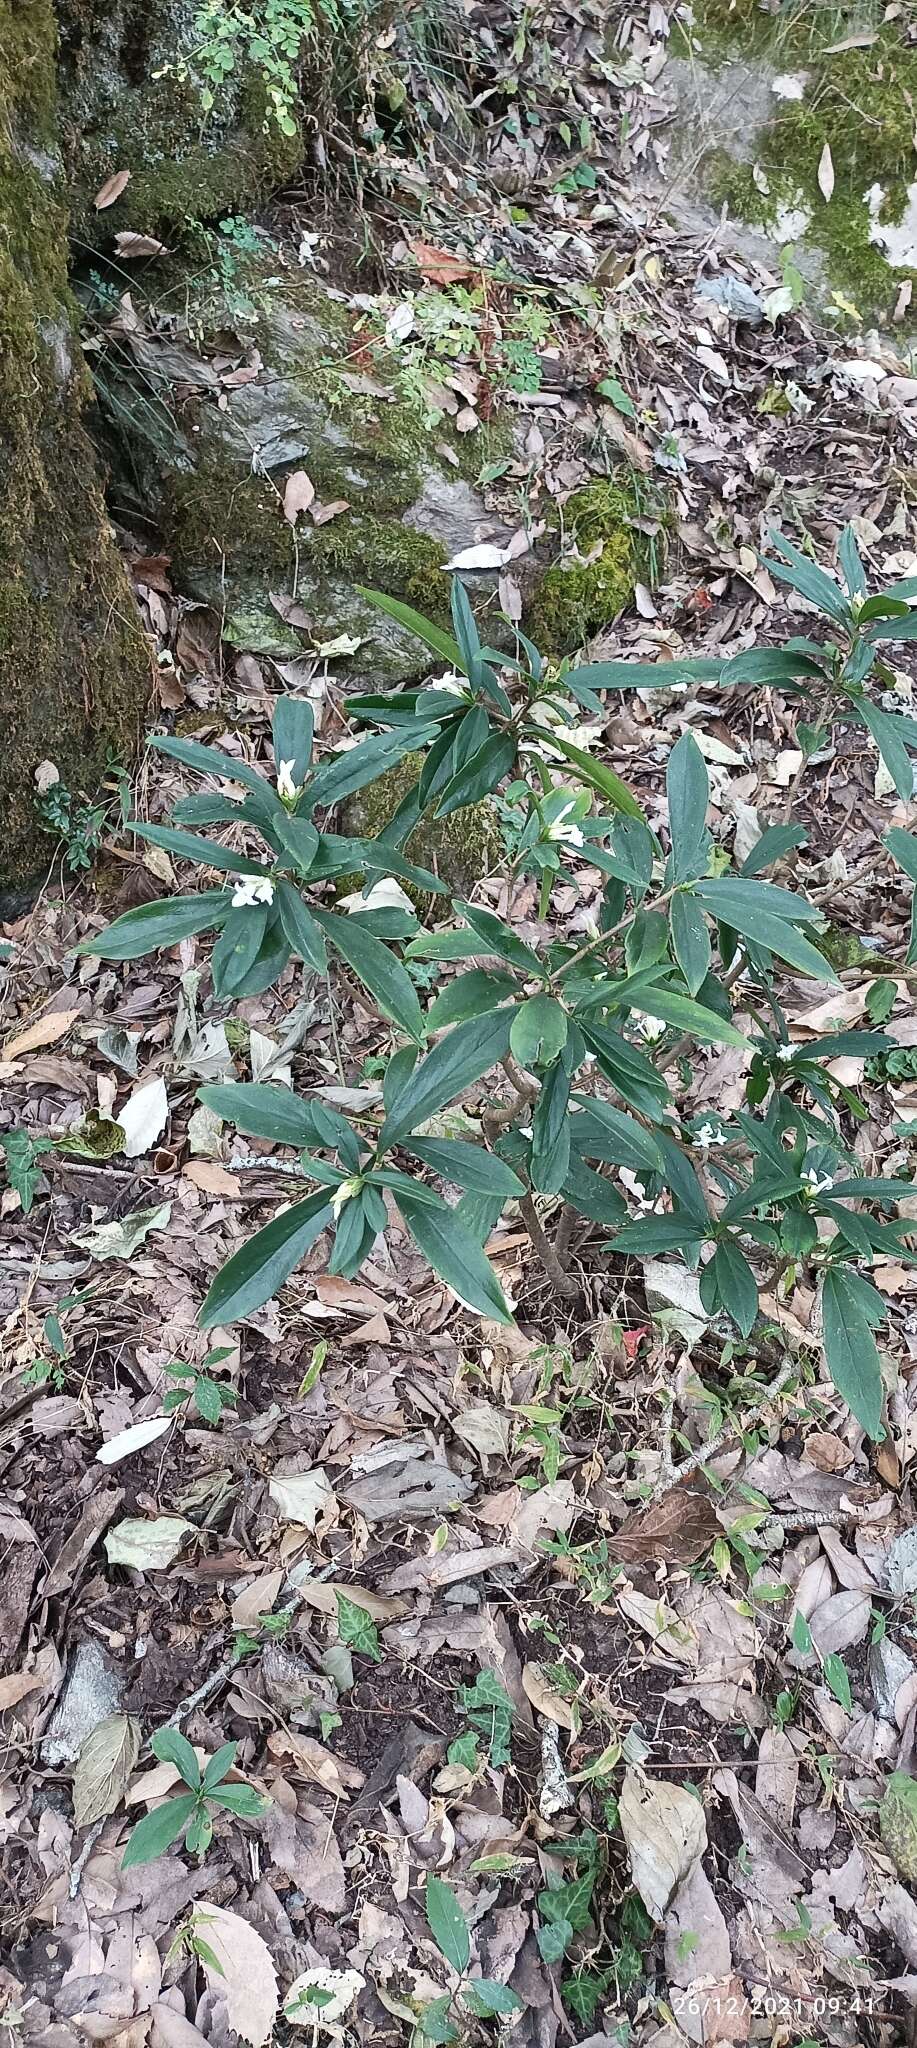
(826, 1452)
(46, 1030)
(665, 1831)
(129, 245)
(246, 1977)
(676, 1529)
(826, 172)
(111, 190)
(545, 1697)
(16, 1686)
(298, 493)
(103, 1767)
(438, 266)
(320, 514)
(211, 1178)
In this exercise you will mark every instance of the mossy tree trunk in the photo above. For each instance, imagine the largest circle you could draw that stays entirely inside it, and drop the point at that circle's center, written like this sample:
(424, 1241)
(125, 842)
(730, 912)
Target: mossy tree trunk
(74, 667)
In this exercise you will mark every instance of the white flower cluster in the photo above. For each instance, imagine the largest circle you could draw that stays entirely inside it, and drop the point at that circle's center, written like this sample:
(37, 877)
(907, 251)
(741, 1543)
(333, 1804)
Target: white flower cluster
(817, 1183)
(564, 834)
(252, 889)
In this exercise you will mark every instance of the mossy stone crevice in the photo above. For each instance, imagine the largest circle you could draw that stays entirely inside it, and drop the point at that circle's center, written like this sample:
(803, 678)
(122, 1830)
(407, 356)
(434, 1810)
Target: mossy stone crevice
(74, 669)
(579, 596)
(460, 849)
(860, 102)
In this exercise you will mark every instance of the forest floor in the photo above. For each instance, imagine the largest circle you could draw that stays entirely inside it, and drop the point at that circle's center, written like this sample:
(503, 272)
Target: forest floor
(501, 1507)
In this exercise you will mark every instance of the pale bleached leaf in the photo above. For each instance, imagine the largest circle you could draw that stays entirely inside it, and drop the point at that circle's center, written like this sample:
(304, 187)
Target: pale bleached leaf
(103, 1767)
(245, 1976)
(147, 1546)
(826, 172)
(133, 1439)
(665, 1832)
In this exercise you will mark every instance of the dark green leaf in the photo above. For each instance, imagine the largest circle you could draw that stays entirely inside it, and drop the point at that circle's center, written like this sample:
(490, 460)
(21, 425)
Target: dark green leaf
(207, 852)
(650, 1000)
(256, 1272)
(765, 665)
(551, 1134)
(591, 1194)
(484, 1996)
(688, 790)
(598, 776)
(497, 937)
(211, 761)
(238, 948)
(643, 675)
(300, 839)
(158, 1830)
(690, 940)
(891, 746)
(455, 1256)
(294, 725)
(357, 1629)
(468, 1051)
(262, 1109)
(343, 774)
(414, 623)
(728, 1282)
(480, 775)
(774, 842)
(852, 569)
(242, 1800)
(901, 845)
(469, 995)
(300, 929)
(221, 1761)
(447, 1924)
(850, 1348)
(388, 982)
(172, 1747)
(154, 925)
(835, 1675)
(466, 631)
(811, 581)
(539, 1031)
(652, 1234)
(467, 1166)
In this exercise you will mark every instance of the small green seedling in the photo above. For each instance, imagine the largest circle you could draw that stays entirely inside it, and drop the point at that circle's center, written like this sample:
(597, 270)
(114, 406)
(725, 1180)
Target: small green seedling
(484, 1997)
(190, 1813)
(208, 1396)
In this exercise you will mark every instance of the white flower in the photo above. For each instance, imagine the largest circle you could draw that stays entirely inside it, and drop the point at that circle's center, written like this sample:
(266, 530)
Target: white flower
(561, 833)
(252, 889)
(786, 1052)
(651, 1027)
(817, 1183)
(454, 685)
(287, 789)
(345, 1193)
(710, 1134)
(386, 894)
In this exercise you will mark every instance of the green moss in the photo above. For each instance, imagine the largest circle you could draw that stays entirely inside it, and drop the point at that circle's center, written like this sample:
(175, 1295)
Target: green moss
(460, 848)
(73, 668)
(862, 103)
(573, 602)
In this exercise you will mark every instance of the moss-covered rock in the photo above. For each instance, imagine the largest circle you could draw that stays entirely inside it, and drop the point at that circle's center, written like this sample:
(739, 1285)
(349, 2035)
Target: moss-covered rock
(460, 848)
(857, 100)
(132, 88)
(586, 589)
(74, 673)
(214, 476)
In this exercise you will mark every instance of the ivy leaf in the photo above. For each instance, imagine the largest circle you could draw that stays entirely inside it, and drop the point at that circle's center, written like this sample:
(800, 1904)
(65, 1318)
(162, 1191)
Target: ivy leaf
(356, 1628)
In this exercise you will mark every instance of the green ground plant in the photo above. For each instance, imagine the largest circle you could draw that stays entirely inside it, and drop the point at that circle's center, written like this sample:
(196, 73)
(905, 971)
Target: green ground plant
(582, 1034)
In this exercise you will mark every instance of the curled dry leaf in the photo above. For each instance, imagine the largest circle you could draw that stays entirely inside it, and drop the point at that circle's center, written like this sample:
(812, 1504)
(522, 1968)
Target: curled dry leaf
(46, 1030)
(245, 1975)
(546, 1699)
(129, 246)
(147, 1546)
(298, 493)
(111, 190)
(665, 1831)
(103, 1768)
(134, 1439)
(676, 1529)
